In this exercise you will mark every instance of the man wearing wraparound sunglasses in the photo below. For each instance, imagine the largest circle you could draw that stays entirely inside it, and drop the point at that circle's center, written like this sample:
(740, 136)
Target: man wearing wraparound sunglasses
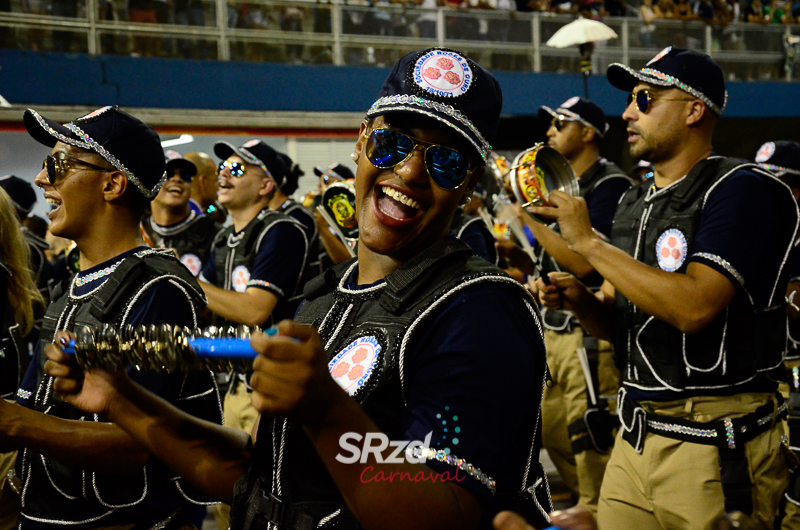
(576, 425)
(419, 339)
(173, 224)
(77, 469)
(256, 266)
(694, 298)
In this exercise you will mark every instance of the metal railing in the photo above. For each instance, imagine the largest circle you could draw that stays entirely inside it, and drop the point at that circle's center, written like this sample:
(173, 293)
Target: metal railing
(342, 33)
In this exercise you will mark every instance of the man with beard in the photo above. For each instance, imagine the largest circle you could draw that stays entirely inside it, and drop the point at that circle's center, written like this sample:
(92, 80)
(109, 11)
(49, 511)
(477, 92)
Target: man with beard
(402, 350)
(694, 298)
(172, 224)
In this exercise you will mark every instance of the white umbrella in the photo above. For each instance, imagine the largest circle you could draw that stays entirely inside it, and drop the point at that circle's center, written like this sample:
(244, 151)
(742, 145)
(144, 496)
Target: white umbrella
(581, 31)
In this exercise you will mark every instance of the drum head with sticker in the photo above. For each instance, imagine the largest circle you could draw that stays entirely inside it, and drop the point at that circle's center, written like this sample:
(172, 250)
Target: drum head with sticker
(442, 73)
(339, 202)
(239, 278)
(193, 263)
(671, 249)
(353, 367)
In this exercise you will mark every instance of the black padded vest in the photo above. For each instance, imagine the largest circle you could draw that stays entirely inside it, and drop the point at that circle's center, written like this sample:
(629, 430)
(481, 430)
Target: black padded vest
(747, 338)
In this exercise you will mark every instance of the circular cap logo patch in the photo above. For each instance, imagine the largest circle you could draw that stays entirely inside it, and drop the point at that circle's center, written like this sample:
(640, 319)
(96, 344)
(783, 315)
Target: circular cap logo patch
(765, 152)
(353, 366)
(193, 263)
(570, 102)
(671, 250)
(660, 55)
(443, 73)
(239, 278)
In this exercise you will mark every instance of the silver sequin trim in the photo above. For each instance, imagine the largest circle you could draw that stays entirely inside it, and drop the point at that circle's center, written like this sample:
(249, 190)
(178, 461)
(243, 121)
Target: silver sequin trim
(96, 275)
(262, 283)
(722, 263)
(655, 77)
(460, 463)
(576, 117)
(173, 229)
(24, 394)
(780, 169)
(391, 102)
(681, 429)
(768, 418)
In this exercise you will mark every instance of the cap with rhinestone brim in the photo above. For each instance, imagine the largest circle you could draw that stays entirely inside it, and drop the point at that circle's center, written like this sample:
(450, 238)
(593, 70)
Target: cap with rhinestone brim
(20, 191)
(581, 110)
(781, 157)
(175, 160)
(124, 141)
(446, 86)
(691, 71)
(337, 171)
(258, 153)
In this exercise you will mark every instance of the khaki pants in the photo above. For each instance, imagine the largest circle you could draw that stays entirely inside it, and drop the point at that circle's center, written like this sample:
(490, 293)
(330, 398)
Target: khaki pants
(9, 497)
(238, 413)
(791, 521)
(676, 485)
(565, 402)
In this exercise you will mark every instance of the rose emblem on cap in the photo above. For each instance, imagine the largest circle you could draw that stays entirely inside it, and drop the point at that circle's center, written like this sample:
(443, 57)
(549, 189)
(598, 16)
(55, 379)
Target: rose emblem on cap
(443, 73)
(765, 152)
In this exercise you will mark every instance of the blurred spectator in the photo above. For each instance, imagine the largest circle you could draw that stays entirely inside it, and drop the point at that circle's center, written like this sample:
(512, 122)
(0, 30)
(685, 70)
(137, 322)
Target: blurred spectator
(754, 13)
(664, 10)
(291, 19)
(191, 13)
(684, 11)
(647, 16)
(426, 23)
(775, 12)
(703, 10)
(143, 11)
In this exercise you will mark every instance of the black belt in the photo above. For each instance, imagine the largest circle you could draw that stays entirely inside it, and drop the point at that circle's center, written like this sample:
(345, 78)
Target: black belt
(729, 435)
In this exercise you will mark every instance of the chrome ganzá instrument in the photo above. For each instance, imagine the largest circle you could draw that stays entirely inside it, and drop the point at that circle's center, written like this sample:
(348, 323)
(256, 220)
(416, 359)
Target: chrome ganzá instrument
(163, 347)
(536, 173)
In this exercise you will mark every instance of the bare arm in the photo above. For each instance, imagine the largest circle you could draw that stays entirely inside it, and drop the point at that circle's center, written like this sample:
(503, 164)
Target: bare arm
(251, 308)
(81, 444)
(555, 245)
(687, 301)
(209, 456)
(291, 377)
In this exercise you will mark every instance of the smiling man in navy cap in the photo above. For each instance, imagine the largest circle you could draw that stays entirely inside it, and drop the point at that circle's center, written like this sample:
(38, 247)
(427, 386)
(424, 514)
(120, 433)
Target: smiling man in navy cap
(78, 470)
(694, 299)
(418, 340)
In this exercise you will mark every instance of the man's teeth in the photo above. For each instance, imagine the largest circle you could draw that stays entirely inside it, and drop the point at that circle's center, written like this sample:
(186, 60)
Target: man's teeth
(50, 201)
(401, 198)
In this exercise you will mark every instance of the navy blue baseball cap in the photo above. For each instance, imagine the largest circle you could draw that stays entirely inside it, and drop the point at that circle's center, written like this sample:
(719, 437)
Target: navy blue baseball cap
(175, 161)
(448, 87)
(337, 171)
(693, 72)
(258, 153)
(122, 140)
(21, 192)
(581, 110)
(781, 158)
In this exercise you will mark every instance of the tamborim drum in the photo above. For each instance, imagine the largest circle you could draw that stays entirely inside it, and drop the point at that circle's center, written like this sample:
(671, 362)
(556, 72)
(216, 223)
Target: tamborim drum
(537, 172)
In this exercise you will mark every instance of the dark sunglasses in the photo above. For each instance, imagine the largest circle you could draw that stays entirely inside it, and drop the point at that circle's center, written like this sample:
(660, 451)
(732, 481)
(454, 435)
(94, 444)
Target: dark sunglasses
(560, 121)
(184, 176)
(236, 169)
(447, 167)
(57, 166)
(643, 100)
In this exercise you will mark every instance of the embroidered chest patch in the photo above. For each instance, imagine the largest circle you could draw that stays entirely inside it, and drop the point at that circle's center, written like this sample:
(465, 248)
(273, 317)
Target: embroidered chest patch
(671, 250)
(239, 278)
(353, 366)
(193, 263)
